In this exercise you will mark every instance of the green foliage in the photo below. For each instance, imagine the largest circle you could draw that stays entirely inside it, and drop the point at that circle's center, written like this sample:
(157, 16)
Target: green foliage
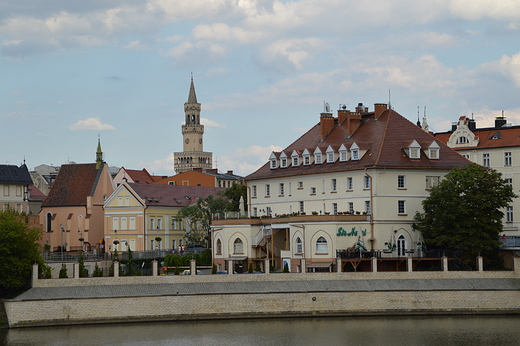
(172, 260)
(44, 271)
(250, 269)
(214, 269)
(234, 193)
(205, 257)
(258, 269)
(98, 273)
(177, 270)
(63, 271)
(47, 247)
(19, 250)
(130, 264)
(83, 272)
(464, 211)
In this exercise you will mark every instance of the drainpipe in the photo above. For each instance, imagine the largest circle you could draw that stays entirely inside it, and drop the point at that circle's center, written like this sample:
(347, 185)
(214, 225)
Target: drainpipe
(371, 213)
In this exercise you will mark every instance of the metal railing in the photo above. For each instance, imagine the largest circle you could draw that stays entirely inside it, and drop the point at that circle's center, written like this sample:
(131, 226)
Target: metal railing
(389, 254)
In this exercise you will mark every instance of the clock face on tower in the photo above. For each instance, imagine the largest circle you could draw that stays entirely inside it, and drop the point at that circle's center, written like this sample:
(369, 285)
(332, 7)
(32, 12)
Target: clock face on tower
(187, 140)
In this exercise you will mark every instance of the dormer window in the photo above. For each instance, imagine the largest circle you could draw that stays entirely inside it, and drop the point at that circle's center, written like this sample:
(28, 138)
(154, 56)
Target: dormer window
(342, 153)
(273, 163)
(273, 160)
(306, 157)
(414, 150)
(317, 156)
(354, 152)
(462, 140)
(295, 159)
(414, 153)
(283, 160)
(330, 154)
(433, 151)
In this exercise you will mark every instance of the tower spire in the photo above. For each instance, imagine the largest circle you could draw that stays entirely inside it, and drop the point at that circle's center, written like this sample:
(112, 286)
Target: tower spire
(99, 155)
(192, 97)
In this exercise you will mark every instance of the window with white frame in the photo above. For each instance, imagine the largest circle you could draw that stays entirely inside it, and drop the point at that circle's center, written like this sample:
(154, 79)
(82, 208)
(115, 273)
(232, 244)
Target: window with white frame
(127, 201)
(283, 162)
(508, 160)
(401, 207)
(115, 223)
(333, 185)
(159, 223)
(282, 189)
(253, 190)
(462, 140)
(299, 245)
(152, 223)
(124, 223)
(330, 156)
(255, 211)
(132, 223)
(432, 181)
(414, 153)
(508, 181)
(313, 190)
(321, 245)
(367, 207)
(335, 208)
(238, 246)
(343, 155)
(306, 160)
(295, 161)
(433, 153)
(355, 154)
(300, 185)
(119, 201)
(366, 180)
(401, 181)
(485, 160)
(268, 211)
(317, 158)
(6, 190)
(351, 207)
(267, 190)
(19, 191)
(302, 207)
(349, 184)
(273, 163)
(509, 214)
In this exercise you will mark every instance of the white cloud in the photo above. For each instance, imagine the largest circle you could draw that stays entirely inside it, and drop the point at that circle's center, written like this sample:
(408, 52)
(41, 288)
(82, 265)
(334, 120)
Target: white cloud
(211, 123)
(136, 45)
(223, 32)
(244, 161)
(508, 66)
(161, 165)
(91, 124)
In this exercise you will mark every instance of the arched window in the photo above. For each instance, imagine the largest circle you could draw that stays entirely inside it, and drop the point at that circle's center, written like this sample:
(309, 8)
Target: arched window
(321, 245)
(238, 246)
(462, 140)
(401, 246)
(219, 247)
(299, 245)
(48, 223)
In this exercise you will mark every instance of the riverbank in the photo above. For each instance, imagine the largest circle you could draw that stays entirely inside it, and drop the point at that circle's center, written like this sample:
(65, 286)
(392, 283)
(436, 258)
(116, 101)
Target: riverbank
(196, 297)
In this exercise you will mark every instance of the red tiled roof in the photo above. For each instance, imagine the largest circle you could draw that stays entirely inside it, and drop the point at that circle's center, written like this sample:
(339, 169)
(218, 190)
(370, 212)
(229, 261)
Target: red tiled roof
(72, 186)
(510, 137)
(35, 193)
(172, 195)
(141, 177)
(383, 139)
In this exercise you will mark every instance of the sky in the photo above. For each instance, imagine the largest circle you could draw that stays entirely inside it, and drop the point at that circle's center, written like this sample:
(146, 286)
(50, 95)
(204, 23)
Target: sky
(73, 71)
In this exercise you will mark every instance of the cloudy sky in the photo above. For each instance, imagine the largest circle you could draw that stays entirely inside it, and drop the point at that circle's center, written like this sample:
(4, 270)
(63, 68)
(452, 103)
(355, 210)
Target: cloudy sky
(73, 70)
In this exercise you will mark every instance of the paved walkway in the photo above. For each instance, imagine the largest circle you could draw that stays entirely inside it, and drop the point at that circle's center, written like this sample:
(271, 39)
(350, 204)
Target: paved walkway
(148, 290)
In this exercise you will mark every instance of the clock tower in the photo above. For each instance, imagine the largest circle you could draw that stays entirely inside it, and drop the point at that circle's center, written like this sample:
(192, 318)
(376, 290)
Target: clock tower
(193, 155)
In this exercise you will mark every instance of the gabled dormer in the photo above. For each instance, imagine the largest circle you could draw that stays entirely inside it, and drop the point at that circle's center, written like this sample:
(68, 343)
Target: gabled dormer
(283, 160)
(343, 153)
(318, 156)
(413, 150)
(295, 158)
(463, 136)
(307, 158)
(331, 156)
(273, 161)
(354, 152)
(433, 151)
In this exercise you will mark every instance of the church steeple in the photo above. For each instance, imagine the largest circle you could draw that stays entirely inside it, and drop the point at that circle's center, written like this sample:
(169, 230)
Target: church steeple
(192, 97)
(99, 155)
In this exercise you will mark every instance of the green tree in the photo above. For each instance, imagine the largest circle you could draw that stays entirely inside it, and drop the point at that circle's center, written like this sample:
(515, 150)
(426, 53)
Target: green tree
(97, 272)
(464, 212)
(63, 271)
(130, 264)
(233, 194)
(19, 250)
(83, 271)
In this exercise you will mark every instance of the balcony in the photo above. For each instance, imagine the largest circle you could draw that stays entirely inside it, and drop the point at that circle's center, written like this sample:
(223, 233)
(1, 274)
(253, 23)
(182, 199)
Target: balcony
(234, 218)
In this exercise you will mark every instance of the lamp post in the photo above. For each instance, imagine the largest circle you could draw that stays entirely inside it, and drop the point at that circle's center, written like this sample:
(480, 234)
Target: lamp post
(61, 240)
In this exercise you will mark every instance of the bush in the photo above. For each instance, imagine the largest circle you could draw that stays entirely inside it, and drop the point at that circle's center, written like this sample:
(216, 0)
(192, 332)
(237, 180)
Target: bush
(214, 269)
(97, 272)
(250, 269)
(63, 271)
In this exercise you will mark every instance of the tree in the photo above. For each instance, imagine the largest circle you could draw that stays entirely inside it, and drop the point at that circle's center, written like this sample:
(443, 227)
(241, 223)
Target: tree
(83, 271)
(464, 212)
(63, 271)
(234, 193)
(19, 250)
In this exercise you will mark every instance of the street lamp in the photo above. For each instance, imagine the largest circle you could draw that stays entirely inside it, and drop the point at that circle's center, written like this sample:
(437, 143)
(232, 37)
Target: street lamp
(61, 240)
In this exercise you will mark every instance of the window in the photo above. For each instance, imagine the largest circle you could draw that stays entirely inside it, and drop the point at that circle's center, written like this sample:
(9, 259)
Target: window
(18, 191)
(119, 201)
(335, 208)
(509, 214)
(333, 184)
(507, 158)
(282, 190)
(159, 223)
(171, 183)
(401, 246)
(268, 211)
(255, 211)
(115, 223)
(367, 182)
(433, 153)
(321, 245)
(295, 161)
(351, 207)
(48, 223)
(330, 157)
(355, 154)
(283, 162)
(485, 160)
(6, 190)
(509, 181)
(219, 247)
(367, 207)
(432, 181)
(300, 185)
(401, 207)
(462, 140)
(299, 245)
(343, 155)
(267, 190)
(124, 223)
(174, 244)
(127, 201)
(132, 223)
(273, 163)
(401, 181)
(152, 223)
(317, 158)
(238, 246)
(253, 188)
(313, 190)
(414, 153)
(349, 184)
(302, 209)
(306, 160)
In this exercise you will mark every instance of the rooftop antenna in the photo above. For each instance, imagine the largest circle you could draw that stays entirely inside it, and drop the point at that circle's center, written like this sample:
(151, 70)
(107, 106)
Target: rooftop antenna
(389, 103)
(418, 119)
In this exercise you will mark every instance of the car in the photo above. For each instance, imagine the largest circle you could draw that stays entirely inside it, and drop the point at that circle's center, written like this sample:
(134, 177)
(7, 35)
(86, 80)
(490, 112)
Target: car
(188, 272)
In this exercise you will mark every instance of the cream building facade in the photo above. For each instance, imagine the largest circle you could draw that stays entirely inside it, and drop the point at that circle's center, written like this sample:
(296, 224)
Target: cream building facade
(351, 184)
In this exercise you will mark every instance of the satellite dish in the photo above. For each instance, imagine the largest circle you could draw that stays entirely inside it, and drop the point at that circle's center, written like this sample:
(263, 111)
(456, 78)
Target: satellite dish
(327, 107)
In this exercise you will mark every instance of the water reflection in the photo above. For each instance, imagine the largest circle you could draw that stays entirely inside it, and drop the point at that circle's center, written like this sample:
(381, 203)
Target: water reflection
(388, 330)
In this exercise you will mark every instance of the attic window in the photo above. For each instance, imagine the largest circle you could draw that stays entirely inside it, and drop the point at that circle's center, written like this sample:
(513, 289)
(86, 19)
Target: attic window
(433, 153)
(414, 153)
(306, 159)
(497, 135)
(283, 162)
(462, 140)
(343, 155)
(355, 154)
(273, 163)
(295, 161)
(330, 157)
(317, 158)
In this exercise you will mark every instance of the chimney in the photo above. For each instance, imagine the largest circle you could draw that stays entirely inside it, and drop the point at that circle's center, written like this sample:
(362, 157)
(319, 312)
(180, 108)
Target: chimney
(343, 114)
(472, 125)
(230, 172)
(379, 108)
(499, 122)
(326, 124)
(361, 109)
(353, 122)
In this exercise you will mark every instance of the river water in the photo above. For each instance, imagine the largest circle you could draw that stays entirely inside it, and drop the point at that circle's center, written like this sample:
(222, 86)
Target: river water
(388, 330)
